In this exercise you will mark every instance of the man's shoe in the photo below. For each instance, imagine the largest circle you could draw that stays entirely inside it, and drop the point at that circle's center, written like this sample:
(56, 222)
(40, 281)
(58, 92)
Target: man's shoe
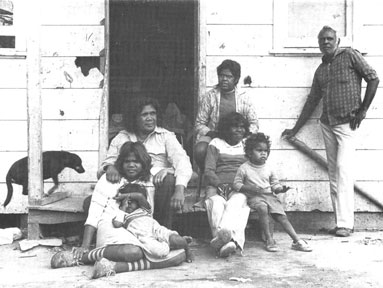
(333, 231)
(344, 232)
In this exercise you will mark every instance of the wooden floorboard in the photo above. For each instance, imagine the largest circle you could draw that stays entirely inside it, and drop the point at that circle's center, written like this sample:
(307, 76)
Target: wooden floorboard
(70, 204)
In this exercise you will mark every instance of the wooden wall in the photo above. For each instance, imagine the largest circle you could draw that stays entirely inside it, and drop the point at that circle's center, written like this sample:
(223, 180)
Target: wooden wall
(243, 31)
(71, 102)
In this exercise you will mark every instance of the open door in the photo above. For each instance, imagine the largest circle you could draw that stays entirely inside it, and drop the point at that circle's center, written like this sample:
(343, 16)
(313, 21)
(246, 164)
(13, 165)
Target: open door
(153, 52)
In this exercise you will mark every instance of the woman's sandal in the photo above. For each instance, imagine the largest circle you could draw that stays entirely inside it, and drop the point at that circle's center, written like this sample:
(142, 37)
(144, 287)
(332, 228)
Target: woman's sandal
(227, 249)
(64, 259)
(223, 237)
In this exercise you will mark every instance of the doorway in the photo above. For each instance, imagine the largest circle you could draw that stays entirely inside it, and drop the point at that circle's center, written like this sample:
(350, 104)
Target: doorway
(153, 53)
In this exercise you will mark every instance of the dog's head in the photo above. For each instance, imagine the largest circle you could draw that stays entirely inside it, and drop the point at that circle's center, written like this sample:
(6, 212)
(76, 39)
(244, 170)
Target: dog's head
(74, 161)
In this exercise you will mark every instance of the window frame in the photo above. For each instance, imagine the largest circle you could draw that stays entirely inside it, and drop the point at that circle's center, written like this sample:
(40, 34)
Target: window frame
(17, 30)
(282, 44)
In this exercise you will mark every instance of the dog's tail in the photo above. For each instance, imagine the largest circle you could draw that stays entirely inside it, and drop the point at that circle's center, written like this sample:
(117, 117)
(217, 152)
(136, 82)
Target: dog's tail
(8, 180)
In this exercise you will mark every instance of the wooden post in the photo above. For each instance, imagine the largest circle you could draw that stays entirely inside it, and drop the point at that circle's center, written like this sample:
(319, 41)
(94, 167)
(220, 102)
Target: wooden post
(35, 180)
(104, 108)
(301, 146)
(201, 43)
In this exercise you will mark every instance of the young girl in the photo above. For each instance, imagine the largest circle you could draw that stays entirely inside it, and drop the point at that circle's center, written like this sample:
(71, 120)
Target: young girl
(226, 209)
(117, 250)
(259, 183)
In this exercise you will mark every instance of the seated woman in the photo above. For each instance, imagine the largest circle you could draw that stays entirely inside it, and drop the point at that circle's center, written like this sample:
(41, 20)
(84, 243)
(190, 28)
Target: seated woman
(117, 250)
(171, 167)
(223, 99)
(227, 210)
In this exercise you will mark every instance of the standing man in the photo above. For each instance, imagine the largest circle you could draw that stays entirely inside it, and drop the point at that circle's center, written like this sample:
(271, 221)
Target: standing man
(337, 81)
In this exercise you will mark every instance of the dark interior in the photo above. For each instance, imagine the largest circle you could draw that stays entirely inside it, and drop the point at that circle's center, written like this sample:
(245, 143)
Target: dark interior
(152, 53)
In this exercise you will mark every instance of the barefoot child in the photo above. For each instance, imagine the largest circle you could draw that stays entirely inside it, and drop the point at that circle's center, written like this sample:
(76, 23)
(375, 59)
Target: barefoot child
(136, 216)
(259, 183)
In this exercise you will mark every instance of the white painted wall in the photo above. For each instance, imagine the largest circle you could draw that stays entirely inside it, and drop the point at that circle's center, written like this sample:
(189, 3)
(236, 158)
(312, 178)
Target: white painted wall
(70, 110)
(243, 31)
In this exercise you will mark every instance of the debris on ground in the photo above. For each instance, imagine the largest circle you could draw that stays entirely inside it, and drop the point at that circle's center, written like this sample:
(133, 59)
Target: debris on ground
(26, 245)
(8, 235)
(371, 241)
(240, 279)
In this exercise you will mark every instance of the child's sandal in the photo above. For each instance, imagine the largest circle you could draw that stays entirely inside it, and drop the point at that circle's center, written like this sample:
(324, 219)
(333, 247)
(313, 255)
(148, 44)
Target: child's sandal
(301, 245)
(271, 246)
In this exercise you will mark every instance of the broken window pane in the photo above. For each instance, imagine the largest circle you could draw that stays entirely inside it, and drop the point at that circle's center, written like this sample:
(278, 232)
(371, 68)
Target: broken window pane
(7, 41)
(6, 13)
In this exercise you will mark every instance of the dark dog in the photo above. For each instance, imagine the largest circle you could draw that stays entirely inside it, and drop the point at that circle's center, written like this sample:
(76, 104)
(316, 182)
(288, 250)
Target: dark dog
(53, 163)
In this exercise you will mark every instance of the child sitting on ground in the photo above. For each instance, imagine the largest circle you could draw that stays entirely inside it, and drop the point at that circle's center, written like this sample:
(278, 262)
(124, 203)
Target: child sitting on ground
(136, 216)
(259, 183)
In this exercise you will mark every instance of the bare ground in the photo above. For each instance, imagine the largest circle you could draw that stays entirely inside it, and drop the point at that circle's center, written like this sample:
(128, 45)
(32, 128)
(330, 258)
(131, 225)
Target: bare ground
(335, 262)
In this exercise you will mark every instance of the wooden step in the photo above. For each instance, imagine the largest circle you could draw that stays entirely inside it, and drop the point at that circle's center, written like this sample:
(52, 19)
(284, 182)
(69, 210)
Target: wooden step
(69, 204)
(193, 202)
(63, 211)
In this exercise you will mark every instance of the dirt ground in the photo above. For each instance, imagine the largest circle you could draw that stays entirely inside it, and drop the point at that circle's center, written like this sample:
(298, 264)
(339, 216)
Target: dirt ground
(335, 262)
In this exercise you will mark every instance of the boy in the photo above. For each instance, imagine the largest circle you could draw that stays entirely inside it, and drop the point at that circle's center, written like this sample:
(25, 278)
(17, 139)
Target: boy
(259, 183)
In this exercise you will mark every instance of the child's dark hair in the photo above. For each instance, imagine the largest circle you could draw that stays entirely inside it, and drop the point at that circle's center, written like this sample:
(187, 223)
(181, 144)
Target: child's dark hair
(254, 139)
(139, 150)
(133, 188)
(232, 119)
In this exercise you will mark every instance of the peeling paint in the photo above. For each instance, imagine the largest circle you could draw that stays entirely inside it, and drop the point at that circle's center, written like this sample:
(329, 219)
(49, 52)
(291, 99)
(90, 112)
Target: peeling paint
(68, 77)
(88, 36)
(62, 113)
(222, 46)
(87, 63)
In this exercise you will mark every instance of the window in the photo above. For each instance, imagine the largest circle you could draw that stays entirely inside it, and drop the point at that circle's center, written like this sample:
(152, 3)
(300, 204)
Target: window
(297, 23)
(12, 38)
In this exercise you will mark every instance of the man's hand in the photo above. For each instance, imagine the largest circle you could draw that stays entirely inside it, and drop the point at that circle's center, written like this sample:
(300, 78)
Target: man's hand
(160, 176)
(178, 198)
(356, 118)
(112, 174)
(288, 133)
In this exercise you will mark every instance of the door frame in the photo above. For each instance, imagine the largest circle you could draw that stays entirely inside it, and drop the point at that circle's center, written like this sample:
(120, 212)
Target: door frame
(199, 71)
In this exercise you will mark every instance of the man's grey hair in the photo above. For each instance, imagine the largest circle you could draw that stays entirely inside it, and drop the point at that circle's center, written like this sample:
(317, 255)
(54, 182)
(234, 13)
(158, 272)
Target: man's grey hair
(325, 29)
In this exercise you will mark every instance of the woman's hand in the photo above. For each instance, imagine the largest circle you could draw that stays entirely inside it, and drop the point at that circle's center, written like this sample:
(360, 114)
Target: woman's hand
(112, 174)
(178, 198)
(78, 252)
(282, 189)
